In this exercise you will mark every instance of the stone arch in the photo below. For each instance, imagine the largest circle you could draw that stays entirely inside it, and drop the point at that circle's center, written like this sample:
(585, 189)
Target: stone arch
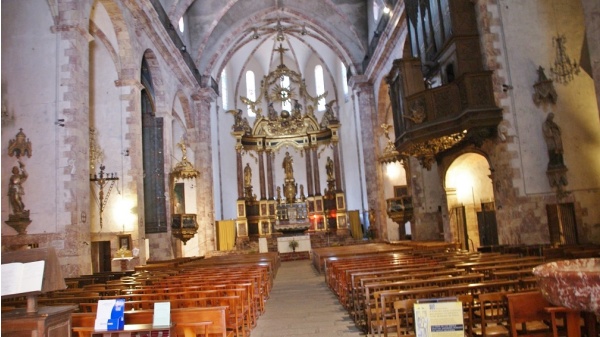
(470, 199)
(123, 52)
(187, 109)
(159, 94)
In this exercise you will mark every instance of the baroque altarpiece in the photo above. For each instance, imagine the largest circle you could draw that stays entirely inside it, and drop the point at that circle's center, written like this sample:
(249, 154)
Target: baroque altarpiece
(287, 206)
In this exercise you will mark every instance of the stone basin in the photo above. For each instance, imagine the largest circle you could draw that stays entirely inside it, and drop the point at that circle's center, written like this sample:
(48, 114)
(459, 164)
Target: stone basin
(574, 284)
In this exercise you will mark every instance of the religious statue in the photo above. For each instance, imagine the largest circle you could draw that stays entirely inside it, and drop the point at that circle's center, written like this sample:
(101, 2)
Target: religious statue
(278, 193)
(287, 166)
(247, 175)
(297, 112)
(272, 113)
(329, 169)
(240, 123)
(553, 139)
(16, 190)
(328, 115)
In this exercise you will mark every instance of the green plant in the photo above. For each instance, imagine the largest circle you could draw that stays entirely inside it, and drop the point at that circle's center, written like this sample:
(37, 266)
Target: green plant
(294, 244)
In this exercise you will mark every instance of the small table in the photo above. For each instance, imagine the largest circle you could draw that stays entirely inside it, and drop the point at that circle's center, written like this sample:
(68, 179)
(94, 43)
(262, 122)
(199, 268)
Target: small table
(124, 262)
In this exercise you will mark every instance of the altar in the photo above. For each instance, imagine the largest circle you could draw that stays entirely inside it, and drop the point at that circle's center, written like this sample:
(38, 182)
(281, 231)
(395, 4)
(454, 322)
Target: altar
(292, 217)
(283, 159)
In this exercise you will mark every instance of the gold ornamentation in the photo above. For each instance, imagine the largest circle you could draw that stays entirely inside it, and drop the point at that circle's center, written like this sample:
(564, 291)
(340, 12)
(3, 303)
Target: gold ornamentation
(96, 153)
(426, 151)
(20, 146)
(417, 109)
(184, 169)
(282, 94)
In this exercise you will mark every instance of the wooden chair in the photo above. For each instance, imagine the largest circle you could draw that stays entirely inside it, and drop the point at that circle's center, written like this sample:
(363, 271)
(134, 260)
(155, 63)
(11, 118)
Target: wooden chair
(405, 323)
(492, 314)
(528, 315)
(467, 304)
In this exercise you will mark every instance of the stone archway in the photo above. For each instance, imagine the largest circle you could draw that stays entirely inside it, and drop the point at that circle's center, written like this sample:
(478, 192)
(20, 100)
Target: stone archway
(470, 198)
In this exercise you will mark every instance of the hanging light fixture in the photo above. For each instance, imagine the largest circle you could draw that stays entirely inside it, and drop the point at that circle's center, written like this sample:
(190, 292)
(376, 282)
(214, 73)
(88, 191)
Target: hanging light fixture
(563, 69)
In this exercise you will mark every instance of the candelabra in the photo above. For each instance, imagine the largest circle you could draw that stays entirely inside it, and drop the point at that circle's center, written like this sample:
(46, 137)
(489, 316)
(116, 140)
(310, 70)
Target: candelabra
(102, 179)
(563, 69)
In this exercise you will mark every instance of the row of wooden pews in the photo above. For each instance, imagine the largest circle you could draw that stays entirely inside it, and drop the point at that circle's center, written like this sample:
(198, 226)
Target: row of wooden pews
(377, 288)
(200, 292)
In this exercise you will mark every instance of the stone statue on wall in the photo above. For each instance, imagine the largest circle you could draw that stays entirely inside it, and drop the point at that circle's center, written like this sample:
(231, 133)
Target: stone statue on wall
(16, 190)
(552, 136)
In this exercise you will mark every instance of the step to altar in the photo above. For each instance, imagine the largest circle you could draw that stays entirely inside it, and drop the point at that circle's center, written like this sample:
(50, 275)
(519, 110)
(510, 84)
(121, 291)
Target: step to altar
(293, 256)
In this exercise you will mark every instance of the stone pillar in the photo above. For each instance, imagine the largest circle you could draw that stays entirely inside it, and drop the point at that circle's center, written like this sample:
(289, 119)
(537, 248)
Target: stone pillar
(315, 167)
(270, 180)
(261, 170)
(72, 140)
(309, 175)
(365, 105)
(206, 107)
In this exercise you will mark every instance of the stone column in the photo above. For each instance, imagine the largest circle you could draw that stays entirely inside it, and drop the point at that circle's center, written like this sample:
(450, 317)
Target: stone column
(309, 175)
(365, 105)
(261, 170)
(316, 171)
(72, 140)
(270, 180)
(206, 108)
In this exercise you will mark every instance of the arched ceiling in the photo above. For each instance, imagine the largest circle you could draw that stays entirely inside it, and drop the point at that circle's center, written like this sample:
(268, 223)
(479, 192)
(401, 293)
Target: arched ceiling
(218, 29)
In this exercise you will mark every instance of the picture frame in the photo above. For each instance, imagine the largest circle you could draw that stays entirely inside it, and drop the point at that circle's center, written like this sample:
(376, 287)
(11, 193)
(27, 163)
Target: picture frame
(125, 241)
(400, 191)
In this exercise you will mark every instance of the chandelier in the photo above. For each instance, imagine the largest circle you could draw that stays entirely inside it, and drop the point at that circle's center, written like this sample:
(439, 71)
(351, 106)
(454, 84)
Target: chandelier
(563, 69)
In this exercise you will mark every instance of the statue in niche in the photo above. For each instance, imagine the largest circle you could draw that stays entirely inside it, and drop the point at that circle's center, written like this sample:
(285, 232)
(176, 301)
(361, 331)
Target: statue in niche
(287, 166)
(329, 169)
(247, 175)
(552, 136)
(16, 190)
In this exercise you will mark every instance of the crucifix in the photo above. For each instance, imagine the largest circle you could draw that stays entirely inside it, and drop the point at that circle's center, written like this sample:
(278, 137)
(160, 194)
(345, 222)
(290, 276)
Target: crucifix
(281, 51)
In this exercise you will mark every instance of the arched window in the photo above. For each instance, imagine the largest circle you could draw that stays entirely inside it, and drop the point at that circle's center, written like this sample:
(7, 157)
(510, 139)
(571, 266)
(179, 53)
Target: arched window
(250, 90)
(224, 93)
(285, 83)
(320, 85)
(181, 24)
(344, 79)
(376, 10)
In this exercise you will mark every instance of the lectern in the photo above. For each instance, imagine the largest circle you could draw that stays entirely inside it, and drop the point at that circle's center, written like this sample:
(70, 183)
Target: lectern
(33, 321)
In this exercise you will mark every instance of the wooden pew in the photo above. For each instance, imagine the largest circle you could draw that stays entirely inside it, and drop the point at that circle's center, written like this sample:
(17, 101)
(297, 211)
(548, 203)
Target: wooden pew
(184, 319)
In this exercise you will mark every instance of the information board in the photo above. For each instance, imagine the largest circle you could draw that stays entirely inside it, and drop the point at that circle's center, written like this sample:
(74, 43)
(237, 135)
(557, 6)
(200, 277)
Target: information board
(439, 319)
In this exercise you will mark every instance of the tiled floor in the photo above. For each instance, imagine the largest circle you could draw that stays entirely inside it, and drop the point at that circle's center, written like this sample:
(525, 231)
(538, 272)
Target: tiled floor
(301, 304)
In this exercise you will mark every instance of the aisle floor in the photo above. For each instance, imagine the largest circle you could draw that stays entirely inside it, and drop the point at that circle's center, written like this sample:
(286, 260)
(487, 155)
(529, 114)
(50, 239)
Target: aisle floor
(301, 304)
